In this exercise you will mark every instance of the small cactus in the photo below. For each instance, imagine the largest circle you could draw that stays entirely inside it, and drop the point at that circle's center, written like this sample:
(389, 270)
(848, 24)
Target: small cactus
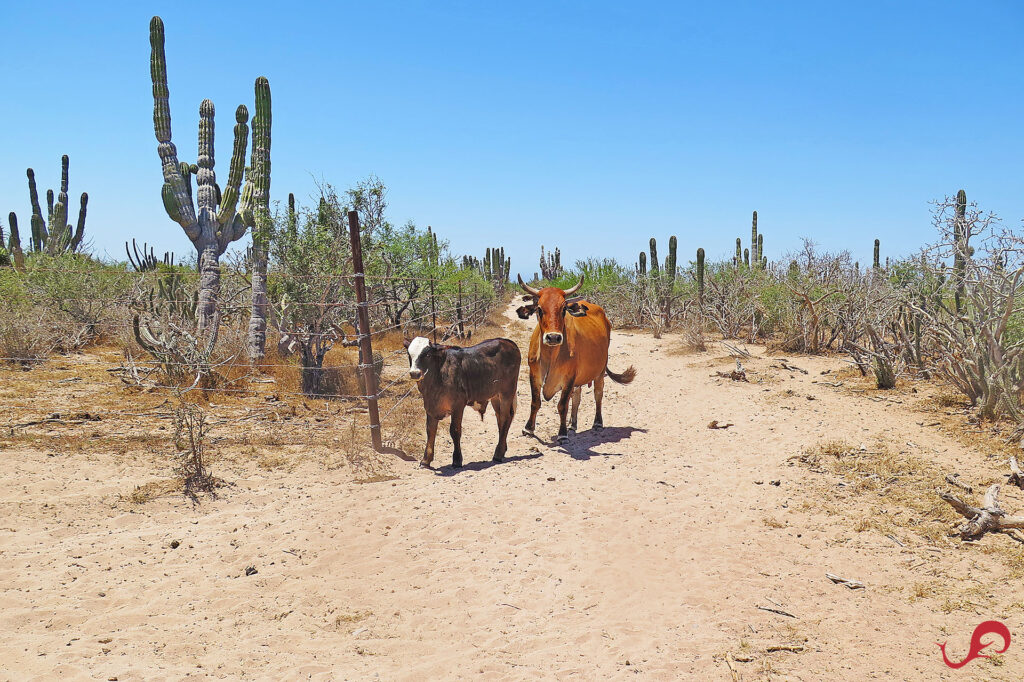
(761, 258)
(739, 252)
(670, 261)
(961, 250)
(700, 277)
(746, 257)
(642, 269)
(753, 241)
(877, 247)
(654, 257)
(54, 234)
(14, 243)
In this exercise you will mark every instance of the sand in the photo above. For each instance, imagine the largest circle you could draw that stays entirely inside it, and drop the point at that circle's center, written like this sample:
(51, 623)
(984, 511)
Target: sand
(641, 551)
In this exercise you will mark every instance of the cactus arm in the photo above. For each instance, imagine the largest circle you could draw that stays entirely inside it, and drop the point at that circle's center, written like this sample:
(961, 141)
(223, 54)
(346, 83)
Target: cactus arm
(14, 243)
(59, 236)
(33, 193)
(258, 177)
(38, 232)
(64, 163)
(49, 208)
(76, 242)
(206, 178)
(177, 196)
(229, 198)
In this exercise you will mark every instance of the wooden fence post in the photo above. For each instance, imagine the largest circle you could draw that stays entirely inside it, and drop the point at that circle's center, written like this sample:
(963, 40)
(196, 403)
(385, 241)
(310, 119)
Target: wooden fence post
(365, 344)
(433, 310)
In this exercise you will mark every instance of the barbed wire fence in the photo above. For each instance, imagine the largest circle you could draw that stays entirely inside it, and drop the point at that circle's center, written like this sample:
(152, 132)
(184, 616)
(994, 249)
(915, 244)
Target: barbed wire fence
(457, 312)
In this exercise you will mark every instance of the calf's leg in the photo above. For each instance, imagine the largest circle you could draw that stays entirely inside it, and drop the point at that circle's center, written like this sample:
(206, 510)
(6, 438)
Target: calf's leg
(456, 432)
(428, 452)
(503, 411)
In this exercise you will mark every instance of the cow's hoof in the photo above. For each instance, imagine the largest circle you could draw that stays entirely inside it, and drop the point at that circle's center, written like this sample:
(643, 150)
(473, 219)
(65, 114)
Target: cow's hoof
(528, 432)
(598, 427)
(563, 440)
(456, 465)
(497, 459)
(424, 464)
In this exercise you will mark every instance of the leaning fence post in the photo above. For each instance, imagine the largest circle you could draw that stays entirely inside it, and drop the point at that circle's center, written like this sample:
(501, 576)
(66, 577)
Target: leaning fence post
(365, 345)
(433, 310)
(458, 313)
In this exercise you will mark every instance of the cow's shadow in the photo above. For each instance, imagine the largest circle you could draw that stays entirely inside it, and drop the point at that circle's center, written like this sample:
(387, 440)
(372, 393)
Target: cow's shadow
(448, 470)
(581, 444)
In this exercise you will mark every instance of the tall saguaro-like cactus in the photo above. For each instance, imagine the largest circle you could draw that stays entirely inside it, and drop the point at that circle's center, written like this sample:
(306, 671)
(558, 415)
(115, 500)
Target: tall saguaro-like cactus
(210, 220)
(654, 258)
(256, 215)
(875, 263)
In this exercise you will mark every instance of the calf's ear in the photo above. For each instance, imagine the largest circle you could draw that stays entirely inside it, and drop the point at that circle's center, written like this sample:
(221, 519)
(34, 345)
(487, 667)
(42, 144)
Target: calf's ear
(525, 311)
(577, 309)
(406, 342)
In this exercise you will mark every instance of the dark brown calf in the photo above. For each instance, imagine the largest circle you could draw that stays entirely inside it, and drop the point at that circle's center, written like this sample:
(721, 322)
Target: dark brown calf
(450, 378)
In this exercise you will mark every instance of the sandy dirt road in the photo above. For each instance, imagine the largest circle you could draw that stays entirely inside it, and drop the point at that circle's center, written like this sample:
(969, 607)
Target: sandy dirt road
(642, 551)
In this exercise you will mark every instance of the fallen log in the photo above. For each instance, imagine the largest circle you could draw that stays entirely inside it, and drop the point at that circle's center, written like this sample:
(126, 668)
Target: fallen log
(988, 519)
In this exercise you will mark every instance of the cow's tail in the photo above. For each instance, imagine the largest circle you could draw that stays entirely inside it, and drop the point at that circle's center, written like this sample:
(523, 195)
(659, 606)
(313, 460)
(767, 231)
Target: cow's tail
(624, 378)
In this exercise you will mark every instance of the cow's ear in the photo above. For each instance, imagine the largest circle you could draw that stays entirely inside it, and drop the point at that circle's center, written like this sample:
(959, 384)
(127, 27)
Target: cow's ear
(577, 309)
(406, 342)
(530, 298)
(525, 311)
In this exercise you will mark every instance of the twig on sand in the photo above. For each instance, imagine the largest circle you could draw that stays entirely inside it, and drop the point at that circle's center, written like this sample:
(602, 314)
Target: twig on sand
(953, 479)
(732, 669)
(714, 424)
(778, 611)
(852, 584)
(737, 351)
(795, 648)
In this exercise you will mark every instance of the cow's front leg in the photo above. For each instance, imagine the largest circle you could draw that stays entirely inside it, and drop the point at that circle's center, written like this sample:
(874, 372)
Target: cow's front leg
(428, 452)
(576, 396)
(563, 414)
(531, 423)
(456, 431)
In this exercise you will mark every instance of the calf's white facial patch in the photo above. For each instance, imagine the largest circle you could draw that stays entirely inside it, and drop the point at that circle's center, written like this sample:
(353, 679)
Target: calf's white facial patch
(416, 348)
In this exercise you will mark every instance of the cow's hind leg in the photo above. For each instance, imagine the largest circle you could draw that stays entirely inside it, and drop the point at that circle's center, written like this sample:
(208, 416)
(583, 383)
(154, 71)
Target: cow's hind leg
(428, 452)
(563, 414)
(577, 395)
(504, 411)
(598, 397)
(531, 423)
(456, 432)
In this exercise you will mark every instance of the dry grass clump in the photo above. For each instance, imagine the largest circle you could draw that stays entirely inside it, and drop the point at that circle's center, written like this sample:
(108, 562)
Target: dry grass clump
(27, 336)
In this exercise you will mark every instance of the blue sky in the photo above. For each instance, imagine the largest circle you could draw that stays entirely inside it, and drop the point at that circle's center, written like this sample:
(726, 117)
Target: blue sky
(590, 126)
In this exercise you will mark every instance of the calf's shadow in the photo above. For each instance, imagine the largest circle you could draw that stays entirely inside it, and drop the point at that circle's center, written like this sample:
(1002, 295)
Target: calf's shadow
(448, 470)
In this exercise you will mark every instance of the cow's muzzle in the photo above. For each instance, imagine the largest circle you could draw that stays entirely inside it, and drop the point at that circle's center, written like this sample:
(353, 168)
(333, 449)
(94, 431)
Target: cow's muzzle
(553, 339)
(416, 374)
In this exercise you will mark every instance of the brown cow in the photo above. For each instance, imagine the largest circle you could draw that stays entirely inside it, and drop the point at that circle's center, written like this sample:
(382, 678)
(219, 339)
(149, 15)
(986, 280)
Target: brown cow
(568, 350)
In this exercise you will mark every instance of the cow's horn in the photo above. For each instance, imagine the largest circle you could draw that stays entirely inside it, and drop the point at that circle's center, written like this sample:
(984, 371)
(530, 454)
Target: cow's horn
(526, 287)
(573, 290)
